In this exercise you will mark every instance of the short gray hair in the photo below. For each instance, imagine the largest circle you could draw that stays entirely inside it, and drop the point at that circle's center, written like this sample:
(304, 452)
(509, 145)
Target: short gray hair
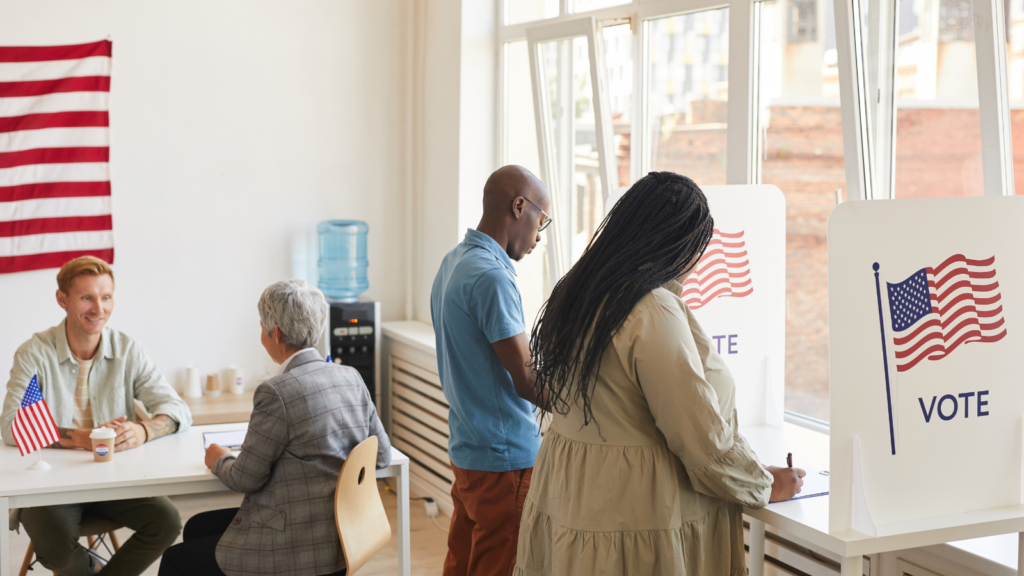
(298, 309)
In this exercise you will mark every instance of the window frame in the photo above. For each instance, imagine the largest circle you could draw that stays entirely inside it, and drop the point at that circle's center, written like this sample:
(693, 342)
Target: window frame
(869, 67)
(580, 27)
(743, 147)
(866, 66)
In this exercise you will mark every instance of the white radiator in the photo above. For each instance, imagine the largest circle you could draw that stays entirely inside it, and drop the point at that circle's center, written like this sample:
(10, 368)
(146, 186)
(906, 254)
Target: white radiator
(417, 420)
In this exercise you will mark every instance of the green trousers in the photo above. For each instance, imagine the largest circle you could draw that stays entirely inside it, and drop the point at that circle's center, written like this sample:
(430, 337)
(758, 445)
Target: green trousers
(54, 534)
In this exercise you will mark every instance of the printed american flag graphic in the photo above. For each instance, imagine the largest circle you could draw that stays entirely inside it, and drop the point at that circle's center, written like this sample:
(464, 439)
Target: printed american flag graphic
(54, 153)
(33, 426)
(937, 309)
(723, 271)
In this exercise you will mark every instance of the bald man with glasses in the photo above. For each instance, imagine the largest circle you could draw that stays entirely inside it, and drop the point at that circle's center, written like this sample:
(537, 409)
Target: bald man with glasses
(483, 357)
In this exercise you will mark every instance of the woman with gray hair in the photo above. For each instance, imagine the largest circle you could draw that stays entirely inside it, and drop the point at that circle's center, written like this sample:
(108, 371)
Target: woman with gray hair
(304, 423)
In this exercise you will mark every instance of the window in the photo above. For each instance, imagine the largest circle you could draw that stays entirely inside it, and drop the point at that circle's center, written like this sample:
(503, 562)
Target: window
(688, 93)
(802, 21)
(584, 5)
(520, 147)
(571, 125)
(517, 11)
(801, 146)
(1015, 71)
(662, 96)
(618, 46)
(937, 101)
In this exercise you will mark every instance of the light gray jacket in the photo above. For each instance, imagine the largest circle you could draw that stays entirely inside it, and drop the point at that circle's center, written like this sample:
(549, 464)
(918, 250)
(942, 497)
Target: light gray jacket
(304, 424)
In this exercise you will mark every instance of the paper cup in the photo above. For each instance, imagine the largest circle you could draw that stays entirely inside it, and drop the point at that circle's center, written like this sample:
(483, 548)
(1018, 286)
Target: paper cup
(193, 389)
(236, 380)
(213, 385)
(102, 444)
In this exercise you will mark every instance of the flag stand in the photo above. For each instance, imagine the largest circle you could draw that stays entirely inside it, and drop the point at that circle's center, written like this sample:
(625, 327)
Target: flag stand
(885, 358)
(40, 464)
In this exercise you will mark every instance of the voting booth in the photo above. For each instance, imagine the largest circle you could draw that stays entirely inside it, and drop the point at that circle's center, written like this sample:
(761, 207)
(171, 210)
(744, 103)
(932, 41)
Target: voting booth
(926, 307)
(738, 294)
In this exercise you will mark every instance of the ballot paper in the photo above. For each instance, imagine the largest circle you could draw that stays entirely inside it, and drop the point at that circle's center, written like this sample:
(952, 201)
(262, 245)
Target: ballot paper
(815, 484)
(231, 439)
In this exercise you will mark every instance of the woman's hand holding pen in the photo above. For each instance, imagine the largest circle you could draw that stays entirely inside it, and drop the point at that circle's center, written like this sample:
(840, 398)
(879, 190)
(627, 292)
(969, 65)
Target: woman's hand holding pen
(786, 481)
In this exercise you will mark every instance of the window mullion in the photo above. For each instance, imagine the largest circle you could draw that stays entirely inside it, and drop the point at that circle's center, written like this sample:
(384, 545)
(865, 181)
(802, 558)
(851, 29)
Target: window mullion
(636, 131)
(741, 127)
(880, 53)
(993, 97)
(855, 112)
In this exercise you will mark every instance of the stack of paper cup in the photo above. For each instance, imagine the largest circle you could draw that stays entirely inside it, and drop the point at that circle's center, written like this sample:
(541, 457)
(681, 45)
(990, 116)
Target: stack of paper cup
(236, 379)
(193, 389)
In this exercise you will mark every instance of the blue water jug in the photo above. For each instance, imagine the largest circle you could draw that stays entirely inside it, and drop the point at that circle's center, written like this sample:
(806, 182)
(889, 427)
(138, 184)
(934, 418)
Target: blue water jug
(343, 262)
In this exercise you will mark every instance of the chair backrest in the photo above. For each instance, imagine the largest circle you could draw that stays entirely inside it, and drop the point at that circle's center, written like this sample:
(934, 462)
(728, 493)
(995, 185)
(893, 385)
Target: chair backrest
(362, 522)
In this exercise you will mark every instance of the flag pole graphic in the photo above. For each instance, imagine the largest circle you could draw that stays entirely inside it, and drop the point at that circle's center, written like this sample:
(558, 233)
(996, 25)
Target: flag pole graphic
(885, 357)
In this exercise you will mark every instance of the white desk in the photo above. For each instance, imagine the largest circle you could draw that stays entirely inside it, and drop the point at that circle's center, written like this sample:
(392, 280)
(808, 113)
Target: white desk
(167, 467)
(807, 519)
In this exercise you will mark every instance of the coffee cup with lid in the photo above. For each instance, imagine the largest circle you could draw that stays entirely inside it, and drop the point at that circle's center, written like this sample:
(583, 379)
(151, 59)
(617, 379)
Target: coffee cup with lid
(102, 444)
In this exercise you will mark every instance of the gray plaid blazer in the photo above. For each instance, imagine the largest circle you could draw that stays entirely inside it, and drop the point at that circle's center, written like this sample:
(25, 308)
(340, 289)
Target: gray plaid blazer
(304, 424)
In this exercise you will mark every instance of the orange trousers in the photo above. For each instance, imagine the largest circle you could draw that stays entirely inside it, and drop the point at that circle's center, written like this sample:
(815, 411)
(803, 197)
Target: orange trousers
(484, 532)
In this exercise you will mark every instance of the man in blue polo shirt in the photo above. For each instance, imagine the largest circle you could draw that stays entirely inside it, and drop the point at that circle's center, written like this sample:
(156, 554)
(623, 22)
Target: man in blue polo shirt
(483, 357)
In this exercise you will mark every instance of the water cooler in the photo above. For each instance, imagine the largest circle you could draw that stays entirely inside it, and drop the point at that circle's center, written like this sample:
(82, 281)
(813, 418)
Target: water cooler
(353, 338)
(353, 331)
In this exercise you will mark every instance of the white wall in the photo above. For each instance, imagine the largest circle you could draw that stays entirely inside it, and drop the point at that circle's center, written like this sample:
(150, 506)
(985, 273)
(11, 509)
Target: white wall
(455, 129)
(437, 147)
(478, 112)
(234, 125)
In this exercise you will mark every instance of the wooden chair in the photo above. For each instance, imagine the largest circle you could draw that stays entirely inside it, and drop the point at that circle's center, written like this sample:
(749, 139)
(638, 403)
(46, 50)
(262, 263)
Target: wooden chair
(362, 522)
(91, 527)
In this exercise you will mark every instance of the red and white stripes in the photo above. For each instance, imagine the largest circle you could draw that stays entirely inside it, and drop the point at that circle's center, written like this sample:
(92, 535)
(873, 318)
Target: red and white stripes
(966, 307)
(723, 271)
(34, 428)
(54, 155)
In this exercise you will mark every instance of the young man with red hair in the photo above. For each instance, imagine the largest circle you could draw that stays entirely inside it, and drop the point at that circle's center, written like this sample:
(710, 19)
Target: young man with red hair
(91, 376)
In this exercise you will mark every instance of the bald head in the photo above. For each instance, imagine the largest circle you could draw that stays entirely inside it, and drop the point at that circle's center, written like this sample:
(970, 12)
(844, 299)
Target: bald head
(516, 205)
(509, 182)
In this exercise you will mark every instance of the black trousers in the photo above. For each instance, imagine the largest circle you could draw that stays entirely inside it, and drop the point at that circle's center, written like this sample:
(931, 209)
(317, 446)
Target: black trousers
(195, 555)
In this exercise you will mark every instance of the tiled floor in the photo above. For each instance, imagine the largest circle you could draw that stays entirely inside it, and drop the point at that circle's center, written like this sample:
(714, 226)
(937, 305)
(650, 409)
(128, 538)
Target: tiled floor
(429, 542)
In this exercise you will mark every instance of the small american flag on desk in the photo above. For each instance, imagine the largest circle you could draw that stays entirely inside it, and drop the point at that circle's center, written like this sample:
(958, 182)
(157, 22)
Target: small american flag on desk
(33, 426)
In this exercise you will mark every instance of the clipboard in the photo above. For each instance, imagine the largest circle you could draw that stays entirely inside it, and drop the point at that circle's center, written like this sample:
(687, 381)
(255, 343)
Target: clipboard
(228, 438)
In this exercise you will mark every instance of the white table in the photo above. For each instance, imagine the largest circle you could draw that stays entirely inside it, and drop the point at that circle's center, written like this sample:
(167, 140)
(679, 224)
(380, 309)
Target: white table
(807, 519)
(167, 467)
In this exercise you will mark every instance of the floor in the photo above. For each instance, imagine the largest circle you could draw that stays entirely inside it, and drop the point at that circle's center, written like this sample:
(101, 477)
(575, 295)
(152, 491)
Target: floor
(428, 541)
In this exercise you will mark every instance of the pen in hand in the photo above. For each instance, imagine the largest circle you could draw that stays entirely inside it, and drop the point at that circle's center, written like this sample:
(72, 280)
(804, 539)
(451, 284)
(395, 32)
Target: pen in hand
(789, 460)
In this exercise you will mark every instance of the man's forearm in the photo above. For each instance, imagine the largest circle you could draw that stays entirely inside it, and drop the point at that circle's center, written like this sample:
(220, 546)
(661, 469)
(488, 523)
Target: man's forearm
(69, 438)
(161, 425)
(525, 389)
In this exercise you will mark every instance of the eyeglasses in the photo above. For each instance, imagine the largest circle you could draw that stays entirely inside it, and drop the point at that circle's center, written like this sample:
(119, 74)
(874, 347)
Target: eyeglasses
(547, 218)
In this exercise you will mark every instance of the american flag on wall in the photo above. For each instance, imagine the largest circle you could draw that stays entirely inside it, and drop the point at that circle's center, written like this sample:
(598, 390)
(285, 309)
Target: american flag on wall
(937, 309)
(723, 271)
(54, 155)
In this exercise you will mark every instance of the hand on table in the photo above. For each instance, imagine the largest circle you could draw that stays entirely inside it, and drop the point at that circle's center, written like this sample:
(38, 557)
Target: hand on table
(786, 484)
(213, 453)
(129, 434)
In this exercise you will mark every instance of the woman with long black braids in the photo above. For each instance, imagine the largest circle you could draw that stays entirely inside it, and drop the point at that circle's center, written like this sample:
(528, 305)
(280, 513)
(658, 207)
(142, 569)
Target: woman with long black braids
(642, 470)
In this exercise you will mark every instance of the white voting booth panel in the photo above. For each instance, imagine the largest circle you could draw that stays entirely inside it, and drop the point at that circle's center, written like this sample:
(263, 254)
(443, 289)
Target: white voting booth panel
(738, 294)
(926, 314)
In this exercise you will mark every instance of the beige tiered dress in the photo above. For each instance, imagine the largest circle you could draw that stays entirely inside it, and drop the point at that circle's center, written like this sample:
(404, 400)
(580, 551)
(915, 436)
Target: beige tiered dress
(657, 488)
